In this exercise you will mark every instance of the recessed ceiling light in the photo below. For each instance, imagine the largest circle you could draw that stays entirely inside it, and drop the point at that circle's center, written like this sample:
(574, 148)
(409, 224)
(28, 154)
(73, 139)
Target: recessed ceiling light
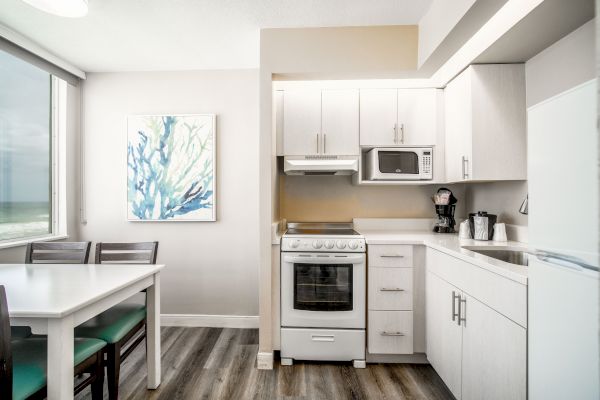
(63, 8)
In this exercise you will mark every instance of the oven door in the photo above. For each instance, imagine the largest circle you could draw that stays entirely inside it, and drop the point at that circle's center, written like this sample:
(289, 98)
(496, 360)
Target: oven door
(323, 290)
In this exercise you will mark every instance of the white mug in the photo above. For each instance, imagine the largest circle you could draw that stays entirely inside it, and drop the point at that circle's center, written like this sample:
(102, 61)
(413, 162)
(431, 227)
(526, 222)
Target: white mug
(500, 233)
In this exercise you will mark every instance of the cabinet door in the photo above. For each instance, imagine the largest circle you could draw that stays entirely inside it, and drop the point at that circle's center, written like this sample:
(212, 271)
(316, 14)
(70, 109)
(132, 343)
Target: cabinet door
(378, 117)
(301, 122)
(457, 96)
(339, 121)
(494, 356)
(444, 336)
(417, 116)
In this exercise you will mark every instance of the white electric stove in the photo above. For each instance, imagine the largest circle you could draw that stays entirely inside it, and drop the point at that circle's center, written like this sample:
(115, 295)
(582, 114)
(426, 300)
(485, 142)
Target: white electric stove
(323, 293)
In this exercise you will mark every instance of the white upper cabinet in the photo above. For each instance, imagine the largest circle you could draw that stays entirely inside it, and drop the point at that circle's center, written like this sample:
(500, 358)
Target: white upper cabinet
(302, 122)
(320, 122)
(485, 121)
(417, 116)
(378, 117)
(390, 117)
(339, 122)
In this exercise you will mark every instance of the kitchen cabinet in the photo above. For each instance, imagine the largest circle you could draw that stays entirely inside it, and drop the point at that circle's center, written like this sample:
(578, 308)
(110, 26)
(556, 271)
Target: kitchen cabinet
(444, 335)
(390, 117)
(320, 122)
(301, 122)
(390, 299)
(485, 124)
(339, 122)
(478, 351)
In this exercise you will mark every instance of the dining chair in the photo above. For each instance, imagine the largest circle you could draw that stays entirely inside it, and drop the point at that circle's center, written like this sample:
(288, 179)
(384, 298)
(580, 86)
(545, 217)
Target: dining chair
(23, 362)
(122, 326)
(58, 253)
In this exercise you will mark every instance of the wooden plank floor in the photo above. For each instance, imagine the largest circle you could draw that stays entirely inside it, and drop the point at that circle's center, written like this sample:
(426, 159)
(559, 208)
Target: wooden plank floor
(214, 363)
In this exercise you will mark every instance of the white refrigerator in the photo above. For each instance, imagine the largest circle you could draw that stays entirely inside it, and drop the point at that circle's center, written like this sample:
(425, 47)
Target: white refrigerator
(563, 295)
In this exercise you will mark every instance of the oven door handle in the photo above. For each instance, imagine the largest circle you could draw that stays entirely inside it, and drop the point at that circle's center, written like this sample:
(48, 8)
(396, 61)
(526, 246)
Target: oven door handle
(349, 259)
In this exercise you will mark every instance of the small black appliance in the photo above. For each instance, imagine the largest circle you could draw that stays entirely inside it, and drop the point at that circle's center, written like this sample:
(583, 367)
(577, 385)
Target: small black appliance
(445, 204)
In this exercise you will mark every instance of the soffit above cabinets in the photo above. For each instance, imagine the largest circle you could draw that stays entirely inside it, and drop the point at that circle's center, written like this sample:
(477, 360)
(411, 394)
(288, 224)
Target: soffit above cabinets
(546, 24)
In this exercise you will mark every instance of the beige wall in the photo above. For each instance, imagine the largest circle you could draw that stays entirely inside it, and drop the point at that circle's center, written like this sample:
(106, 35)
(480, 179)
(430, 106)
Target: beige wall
(17, 254)
(350, 52)
(500, 198)
(212, 267)
(335, 199)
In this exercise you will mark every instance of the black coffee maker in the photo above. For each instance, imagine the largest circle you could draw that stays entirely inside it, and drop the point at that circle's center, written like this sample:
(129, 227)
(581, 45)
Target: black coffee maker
(445, 204)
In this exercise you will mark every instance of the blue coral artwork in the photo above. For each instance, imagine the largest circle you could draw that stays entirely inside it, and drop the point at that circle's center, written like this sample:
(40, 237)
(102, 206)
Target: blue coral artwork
(171, 167)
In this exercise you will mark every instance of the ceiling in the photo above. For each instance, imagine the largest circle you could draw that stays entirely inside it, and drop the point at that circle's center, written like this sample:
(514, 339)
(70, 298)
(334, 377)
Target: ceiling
(140, 35)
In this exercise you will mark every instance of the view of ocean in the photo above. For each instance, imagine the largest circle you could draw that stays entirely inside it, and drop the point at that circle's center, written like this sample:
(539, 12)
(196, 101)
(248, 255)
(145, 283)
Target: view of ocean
(21, 219)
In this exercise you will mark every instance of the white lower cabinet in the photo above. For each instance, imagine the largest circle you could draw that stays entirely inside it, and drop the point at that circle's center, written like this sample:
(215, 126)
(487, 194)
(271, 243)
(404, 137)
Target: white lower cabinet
(444, 335)
(478, 352)
(390, 332)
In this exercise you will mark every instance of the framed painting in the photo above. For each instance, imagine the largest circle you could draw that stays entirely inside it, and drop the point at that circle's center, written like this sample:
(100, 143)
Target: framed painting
(171, 167)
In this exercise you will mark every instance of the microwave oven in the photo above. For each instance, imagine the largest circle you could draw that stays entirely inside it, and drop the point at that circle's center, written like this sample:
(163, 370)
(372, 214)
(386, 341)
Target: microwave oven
(399, 164)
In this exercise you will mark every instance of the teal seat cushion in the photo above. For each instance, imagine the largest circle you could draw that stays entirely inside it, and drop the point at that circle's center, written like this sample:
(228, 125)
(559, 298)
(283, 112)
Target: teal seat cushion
(20, 332)
(113, 324)
(30, 362)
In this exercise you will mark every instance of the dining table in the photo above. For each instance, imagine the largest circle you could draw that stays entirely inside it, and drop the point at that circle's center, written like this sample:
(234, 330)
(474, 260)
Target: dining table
(55, 298)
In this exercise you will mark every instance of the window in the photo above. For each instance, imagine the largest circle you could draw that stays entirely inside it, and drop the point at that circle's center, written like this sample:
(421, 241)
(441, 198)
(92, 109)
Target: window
(27, 125)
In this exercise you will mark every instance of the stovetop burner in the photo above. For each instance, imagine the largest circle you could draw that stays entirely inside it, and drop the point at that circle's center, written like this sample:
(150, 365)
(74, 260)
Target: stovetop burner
(321, 229)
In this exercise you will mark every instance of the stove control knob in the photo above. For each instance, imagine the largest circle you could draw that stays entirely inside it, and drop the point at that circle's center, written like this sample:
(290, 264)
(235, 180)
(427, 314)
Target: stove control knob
(317, 244)
(353, 244)
(340, 244)
(329, 244)
(294, 244)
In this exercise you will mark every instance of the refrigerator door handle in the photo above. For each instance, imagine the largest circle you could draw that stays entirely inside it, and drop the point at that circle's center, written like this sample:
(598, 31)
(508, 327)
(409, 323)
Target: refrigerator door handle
(564, 260)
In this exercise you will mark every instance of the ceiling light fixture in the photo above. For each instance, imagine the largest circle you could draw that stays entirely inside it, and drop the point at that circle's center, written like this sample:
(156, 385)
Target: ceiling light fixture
(62, 8)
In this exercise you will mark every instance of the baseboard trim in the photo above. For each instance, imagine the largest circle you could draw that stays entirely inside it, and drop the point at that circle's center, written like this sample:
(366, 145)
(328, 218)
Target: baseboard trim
(264, 360)
(210, 321)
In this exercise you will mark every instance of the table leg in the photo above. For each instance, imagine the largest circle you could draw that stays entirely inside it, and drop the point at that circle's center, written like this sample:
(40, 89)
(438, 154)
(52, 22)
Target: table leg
(153, 333)
(60, 358)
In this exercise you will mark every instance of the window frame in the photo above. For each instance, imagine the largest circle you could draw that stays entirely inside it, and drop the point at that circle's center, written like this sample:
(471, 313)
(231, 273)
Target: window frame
(58, 130)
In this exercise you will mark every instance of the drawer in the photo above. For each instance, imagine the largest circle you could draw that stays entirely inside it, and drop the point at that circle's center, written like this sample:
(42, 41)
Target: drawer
(390, 255)
(322, 344)
(390, 332)
(390, 288)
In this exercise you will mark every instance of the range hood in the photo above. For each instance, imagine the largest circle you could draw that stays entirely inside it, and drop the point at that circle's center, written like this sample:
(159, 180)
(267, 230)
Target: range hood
(320, 165)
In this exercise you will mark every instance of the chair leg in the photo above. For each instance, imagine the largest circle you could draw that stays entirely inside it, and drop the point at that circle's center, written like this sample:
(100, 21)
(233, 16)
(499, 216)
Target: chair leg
(98, 383)
(113, 368)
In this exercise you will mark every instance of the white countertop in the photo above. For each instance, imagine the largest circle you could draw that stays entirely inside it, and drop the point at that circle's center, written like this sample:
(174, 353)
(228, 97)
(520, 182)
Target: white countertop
(452, 245)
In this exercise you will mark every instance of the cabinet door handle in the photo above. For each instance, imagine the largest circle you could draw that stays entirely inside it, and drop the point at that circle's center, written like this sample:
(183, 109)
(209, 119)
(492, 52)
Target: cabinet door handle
(391, 256)
(465, 167)
(454, 313)
(395, 133)
(386, 333)
(324, 143)
(402, 133)
(317, 143)
(462, 310)
(383, 289)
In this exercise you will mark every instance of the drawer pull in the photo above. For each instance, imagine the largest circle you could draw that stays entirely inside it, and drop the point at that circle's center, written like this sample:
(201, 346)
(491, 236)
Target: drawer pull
(391, 256)
(322, 338)
(383, 289)
(386, 333)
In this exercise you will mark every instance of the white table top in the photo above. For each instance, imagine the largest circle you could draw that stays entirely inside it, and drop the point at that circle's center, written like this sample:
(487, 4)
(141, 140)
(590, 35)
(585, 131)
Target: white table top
(56, 290)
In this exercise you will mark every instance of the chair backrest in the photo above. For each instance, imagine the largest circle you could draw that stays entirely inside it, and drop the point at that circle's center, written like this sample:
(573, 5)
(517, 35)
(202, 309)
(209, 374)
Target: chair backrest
(132, 253)
(5, 350)
(58, 253)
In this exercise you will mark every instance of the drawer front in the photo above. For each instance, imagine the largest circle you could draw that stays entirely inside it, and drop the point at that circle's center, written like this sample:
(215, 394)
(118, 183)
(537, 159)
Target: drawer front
(390, 288)
(322, 344)
(390, 255)
(390, 332)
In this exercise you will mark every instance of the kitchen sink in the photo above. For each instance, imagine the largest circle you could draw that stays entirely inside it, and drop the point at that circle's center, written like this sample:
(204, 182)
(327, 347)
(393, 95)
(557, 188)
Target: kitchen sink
(512, 256)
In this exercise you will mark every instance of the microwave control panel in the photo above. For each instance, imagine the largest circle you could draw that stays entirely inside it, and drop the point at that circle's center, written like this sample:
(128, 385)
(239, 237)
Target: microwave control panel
(426, 161)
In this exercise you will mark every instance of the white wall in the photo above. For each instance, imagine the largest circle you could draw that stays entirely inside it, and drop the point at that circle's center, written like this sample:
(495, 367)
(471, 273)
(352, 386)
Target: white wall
(17, 254)
(567, 63)
(212, 267)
